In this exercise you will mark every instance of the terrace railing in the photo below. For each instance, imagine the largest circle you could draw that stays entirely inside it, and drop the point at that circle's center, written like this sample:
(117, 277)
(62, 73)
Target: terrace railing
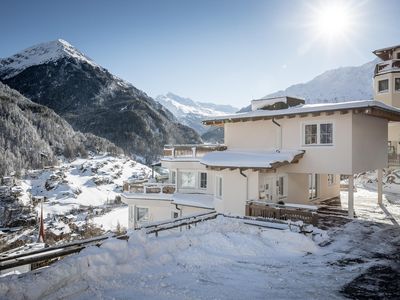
(387, 66)
(191, 150)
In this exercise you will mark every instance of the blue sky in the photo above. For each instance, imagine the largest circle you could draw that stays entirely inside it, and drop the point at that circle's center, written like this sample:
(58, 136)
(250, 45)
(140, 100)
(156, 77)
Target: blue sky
(221, 51)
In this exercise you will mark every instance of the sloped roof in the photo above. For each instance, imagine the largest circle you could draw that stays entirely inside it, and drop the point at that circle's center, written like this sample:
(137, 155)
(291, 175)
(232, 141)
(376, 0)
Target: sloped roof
(251, 159)
(369, 107)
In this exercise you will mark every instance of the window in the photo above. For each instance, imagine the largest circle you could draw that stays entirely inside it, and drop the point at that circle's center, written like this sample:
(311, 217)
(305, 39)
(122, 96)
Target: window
(313, 186)
(142, 214)
(318, 134)
(326, 133)
(331, 179)
(383, 86)
(174, 215)
(172, 177)
(280, 189)
(398, 55)
(188, 180)
(310, 134)
(397, 84)
(203, 180)
(218, 191)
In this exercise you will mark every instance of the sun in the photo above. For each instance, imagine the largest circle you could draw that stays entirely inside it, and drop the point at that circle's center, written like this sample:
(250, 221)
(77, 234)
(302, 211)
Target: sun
(332, 20)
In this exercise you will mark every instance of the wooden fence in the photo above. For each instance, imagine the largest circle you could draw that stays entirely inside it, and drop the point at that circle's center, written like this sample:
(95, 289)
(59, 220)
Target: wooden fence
(281, 213)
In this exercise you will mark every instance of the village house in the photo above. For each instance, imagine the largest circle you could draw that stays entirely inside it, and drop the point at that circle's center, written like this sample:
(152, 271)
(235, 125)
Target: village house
(282, 151)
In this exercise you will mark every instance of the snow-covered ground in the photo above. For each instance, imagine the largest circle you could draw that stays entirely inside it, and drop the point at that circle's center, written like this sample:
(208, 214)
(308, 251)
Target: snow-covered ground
(76, 194)
(224, 259)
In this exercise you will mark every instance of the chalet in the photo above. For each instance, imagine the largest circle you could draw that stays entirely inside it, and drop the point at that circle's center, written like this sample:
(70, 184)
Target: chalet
(282, 151)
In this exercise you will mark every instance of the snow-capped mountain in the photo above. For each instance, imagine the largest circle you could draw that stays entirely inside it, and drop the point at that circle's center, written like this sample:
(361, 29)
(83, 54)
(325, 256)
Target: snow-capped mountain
(41, 54)
(91, 99)
(337, 85)
(191, 112)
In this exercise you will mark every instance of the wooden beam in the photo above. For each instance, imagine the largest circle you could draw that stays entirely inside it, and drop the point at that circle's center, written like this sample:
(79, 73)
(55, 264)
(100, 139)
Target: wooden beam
(343, 112)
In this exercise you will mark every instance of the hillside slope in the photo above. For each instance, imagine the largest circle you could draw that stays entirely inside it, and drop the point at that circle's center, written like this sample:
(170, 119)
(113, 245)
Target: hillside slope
(33, 135)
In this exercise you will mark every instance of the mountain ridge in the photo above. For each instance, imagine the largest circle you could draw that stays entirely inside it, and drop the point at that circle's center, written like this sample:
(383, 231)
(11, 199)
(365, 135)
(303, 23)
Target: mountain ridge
(91, 99)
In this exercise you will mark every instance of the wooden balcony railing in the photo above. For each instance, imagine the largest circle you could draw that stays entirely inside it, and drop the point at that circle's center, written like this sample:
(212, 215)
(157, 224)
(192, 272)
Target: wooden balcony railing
(256, 209)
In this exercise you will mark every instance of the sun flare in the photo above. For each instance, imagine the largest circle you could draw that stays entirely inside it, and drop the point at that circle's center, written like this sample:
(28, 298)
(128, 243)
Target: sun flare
(333, 20)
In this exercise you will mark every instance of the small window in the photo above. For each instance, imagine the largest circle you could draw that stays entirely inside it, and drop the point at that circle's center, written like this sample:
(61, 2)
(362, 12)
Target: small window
(326, 133)
(203, 180)
(142, 214)
(397, 84)
(188, 180)
(310, 134)
(280, 186)
(331, 179)
(172, 178)
(174, 215)
(383, 85)
(218, 192)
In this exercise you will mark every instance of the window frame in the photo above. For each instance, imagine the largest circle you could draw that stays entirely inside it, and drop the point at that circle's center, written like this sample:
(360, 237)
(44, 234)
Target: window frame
(219, 186)
(181, 186)
(394, 84)
(331, 179)
(147, 219)
(173, 179)
(318, 124)
(201, 180)
(388, 88)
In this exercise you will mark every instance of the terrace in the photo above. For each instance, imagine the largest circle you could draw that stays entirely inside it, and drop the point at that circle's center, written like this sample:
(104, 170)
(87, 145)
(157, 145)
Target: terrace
(190, 151)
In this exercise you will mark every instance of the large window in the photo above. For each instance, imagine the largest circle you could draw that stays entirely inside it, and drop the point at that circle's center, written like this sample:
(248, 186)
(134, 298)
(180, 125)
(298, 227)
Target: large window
(142, 214)
(318, 134)
(397, 84)
(218, 187)
(203, 180)
(383, 86)
(188, 180)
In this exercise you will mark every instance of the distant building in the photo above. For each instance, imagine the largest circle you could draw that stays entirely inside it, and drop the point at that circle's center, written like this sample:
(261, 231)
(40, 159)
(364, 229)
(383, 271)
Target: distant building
(387, 90)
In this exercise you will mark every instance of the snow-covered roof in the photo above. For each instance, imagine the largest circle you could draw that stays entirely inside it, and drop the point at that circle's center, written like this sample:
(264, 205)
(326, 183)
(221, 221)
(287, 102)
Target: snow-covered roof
(251, 159)
(309, 108)
(194, 200)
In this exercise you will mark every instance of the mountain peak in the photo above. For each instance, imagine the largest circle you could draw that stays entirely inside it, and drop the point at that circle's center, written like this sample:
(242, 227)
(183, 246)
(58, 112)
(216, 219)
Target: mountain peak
(41, 54)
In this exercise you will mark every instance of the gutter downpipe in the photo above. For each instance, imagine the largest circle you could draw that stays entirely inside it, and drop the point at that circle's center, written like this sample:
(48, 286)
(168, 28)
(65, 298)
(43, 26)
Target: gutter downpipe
(247, 183)
(180, 213)
(280, 133)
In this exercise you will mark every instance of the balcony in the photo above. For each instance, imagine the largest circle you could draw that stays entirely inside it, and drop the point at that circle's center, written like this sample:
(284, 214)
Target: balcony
(190, 151)
(387, 66)
(149, 188)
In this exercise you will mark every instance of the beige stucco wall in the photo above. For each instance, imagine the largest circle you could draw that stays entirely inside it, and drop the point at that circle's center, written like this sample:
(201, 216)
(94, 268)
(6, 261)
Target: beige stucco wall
(326, 190)
(335, 159)
(390, 97)
(160, 210)
(369, 143)
(297, 188)
(394, 131)
(191, 166)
